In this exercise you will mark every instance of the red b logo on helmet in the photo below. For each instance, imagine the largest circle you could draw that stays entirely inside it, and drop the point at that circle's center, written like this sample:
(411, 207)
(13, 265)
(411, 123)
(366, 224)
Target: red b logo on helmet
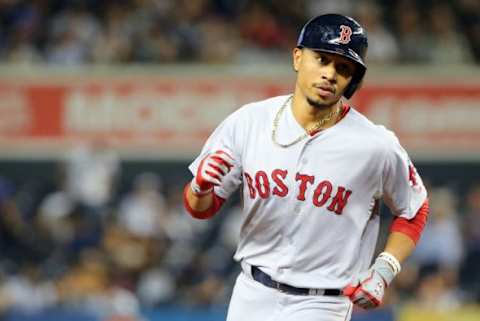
(345, 34)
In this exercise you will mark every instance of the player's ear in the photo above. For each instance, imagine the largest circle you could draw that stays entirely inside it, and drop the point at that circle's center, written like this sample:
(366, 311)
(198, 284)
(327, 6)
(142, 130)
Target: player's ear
(296, 58)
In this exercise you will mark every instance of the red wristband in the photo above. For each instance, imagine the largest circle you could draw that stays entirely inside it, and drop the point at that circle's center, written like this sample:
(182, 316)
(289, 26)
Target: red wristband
(209, 212)
(412, 228)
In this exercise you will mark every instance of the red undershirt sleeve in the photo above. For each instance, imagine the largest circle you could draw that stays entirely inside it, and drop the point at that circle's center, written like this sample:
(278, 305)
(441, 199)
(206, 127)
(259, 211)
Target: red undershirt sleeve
(412, 228)
(209, 212)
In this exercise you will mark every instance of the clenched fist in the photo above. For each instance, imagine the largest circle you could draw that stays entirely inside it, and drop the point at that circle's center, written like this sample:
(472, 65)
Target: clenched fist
(368, 289)
(211, 171)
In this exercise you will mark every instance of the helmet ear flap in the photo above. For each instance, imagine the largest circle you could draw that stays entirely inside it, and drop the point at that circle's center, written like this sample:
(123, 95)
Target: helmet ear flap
(355, 83)
(351, 89)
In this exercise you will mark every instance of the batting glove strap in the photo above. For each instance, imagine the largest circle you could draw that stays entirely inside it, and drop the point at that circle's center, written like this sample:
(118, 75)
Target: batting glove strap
(387, 266)
(197, 190)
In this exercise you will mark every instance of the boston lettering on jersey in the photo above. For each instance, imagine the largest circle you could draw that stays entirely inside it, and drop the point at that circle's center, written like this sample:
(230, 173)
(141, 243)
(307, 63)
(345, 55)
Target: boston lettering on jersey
(325, 194)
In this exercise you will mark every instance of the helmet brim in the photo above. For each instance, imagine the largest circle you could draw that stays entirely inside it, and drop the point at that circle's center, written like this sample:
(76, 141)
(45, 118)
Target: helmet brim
(340, 50)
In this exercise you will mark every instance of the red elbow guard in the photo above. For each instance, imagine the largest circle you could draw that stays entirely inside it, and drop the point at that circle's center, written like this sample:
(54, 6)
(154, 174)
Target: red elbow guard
(209, 212)
(412, 228)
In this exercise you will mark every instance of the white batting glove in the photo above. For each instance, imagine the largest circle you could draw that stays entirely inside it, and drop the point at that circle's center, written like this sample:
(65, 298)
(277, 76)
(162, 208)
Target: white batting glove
(211, 171)
(368, 289)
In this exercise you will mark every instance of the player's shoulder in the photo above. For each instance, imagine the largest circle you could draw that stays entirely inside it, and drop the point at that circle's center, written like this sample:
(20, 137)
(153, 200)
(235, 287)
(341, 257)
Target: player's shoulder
(264, 105)
(375, 132)
(255, 112)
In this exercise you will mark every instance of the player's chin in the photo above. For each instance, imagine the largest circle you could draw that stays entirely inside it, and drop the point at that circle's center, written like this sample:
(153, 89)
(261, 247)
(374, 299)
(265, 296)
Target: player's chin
(322, 100)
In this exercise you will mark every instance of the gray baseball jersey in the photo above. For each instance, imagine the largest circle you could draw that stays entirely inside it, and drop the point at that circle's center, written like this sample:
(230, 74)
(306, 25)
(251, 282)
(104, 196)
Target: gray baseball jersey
(307, 208)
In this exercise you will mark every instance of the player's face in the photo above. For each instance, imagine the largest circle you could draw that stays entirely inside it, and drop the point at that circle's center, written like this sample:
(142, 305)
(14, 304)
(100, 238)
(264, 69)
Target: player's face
(322, 77)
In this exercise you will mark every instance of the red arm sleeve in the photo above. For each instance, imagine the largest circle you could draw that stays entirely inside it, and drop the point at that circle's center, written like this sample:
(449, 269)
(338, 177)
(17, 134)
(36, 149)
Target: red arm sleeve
(209, 212)
(412, 228)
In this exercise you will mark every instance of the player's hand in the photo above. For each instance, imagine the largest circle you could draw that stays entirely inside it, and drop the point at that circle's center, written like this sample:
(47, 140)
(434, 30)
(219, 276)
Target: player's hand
(211, 171)
(368, 289)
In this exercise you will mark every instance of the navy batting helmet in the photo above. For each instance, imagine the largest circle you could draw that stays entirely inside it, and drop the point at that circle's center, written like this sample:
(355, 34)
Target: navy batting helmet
(342, 35)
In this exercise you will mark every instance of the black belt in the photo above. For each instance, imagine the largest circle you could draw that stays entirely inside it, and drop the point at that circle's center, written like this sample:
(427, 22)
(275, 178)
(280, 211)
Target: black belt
(262, 277)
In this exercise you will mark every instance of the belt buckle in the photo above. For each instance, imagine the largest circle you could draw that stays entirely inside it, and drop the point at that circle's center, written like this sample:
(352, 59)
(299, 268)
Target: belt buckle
(316, 291)
(277, 286)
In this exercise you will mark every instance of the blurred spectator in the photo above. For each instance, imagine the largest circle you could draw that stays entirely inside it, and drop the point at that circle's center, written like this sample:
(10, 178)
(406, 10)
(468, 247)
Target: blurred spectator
(220, 40)
(183, 232)
(54, 219)
(90, 286)
(166, 31)
(129, 255)
(188, 15)
(66, 50)
(412, 33)
(142, 211)
(435, 290)
(382, 45)
(27, 290)
(291, 13)
(114, 42)
(155, 31)
(470, 276)
(261, 28)
(447, 45)
(23, 25)
(263, 37)
(86, 278)
(72, 32)
(441, 242)
(469, 16)
(22, 51)
(19, 242)
(158, 44)
(91, 172)
(10, 220)
(156, 287)
(314, 7)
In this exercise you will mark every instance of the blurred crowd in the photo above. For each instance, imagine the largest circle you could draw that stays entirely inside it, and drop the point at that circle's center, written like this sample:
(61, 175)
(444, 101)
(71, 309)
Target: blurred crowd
(84, 241)
(89, 239)
(78, 32)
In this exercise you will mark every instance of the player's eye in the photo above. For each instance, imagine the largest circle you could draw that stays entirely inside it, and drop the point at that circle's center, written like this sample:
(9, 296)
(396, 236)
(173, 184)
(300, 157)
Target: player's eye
(323, 59)
(344, 69)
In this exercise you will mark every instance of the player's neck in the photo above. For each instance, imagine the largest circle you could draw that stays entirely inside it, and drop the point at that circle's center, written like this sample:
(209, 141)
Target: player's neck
(308, 116)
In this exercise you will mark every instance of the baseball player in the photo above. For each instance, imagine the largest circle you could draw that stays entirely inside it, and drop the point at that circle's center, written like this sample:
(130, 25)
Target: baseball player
(312, 170)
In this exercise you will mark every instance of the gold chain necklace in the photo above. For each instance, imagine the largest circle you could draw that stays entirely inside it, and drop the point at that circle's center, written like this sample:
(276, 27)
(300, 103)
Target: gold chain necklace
(314, 128)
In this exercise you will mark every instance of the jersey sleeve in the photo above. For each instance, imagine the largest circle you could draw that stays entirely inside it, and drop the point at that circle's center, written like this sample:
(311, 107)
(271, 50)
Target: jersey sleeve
(226, 136)
(403, 189)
